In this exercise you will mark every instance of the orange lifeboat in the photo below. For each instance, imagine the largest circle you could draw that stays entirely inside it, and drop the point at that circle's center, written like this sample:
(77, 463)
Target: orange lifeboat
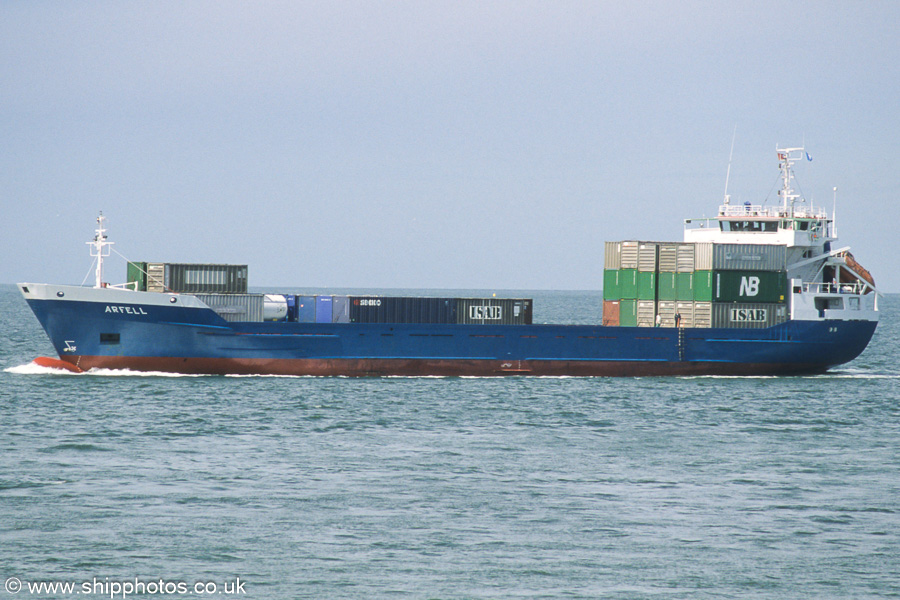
(858, 272)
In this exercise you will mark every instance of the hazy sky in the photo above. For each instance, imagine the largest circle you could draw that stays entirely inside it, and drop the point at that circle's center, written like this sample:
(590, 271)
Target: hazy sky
(432, 144)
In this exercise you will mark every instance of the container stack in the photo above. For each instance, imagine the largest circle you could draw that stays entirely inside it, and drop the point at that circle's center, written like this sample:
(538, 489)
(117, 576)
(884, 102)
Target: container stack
(700, 285)
(408, 309)
(182, 278)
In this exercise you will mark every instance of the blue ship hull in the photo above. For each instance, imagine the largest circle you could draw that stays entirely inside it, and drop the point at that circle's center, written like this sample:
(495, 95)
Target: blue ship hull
(193, 339)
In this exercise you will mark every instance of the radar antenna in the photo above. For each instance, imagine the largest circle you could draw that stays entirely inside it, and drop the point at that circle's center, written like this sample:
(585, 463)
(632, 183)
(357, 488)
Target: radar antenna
(99, 249)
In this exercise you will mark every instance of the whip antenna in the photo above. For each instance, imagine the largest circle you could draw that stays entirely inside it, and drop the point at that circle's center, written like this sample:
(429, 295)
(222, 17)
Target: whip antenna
(728, 171)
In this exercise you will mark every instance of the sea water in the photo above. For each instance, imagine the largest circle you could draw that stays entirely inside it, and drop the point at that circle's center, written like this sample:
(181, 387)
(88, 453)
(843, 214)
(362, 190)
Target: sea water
(129, 485)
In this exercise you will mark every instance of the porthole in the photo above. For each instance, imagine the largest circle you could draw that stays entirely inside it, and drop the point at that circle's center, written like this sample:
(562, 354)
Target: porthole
(60, 294)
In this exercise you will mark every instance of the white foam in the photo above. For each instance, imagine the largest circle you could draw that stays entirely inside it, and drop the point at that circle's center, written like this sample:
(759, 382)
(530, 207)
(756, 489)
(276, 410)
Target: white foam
(34, 369)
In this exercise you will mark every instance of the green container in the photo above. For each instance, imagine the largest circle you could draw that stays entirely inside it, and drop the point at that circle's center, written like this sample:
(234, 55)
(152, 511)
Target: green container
(611, 288)
(748, 286)
(137, 276)
(684, 287)
(628, 284)
(646, 285)
(665, 287)
(703, 286)
(628, 313)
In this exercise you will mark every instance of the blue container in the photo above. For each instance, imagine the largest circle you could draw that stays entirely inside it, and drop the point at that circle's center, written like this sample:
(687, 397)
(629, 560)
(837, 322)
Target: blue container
(291, 307)
(324, 309)
(306, 309)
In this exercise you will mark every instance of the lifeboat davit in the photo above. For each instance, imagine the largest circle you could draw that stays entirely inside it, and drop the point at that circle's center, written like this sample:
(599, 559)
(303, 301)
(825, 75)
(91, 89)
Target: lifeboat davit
(859, 272)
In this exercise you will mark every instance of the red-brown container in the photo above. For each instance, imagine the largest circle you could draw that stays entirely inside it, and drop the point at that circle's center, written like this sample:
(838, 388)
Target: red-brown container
(610, 313)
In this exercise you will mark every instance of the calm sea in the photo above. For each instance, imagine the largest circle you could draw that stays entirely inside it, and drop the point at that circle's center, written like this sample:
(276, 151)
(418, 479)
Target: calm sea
(284, 488)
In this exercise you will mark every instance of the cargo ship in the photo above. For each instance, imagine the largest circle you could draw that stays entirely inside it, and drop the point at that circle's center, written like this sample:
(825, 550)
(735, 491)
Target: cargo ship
(756, 290)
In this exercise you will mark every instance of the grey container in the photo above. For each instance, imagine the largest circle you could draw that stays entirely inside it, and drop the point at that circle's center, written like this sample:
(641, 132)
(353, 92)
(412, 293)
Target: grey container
(612, 256)
(668, 257)
(739, 257)
(685, 258)
(629, 254)
(702, 314)
(340, 309)
(235, 307)
(755, 315)
(648, 253)
(494, 311)
(646, 313)
(686, 310)
(156, 277)
(666, 311)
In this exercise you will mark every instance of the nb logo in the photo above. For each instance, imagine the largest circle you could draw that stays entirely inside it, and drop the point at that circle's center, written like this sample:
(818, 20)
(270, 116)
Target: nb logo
(749, 286)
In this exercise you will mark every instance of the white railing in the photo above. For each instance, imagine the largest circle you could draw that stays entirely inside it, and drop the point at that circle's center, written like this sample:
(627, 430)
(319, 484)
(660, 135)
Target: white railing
(835, 288)
(758, 210)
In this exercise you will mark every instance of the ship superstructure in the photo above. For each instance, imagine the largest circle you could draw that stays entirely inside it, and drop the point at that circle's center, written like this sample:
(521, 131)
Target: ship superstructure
(824, 282)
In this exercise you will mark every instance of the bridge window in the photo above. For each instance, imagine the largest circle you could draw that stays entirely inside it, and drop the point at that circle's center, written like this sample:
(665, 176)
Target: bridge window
(749, 226)
(829, 304)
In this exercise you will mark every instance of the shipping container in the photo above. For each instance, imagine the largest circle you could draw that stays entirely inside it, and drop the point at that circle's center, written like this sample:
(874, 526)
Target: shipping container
(611, 289)
(665, 286)
(610, 313)
(756, 315)
(740, 257)
(612, 256)
(685, 310)
(340, 309)
(185, 278)
(628, 284)
(684, 286)
(235, 307)
(156, 277)
(702, 314)
(206, 278)
(292, 307)
(740, 286)
(306, 309)
(646, 286)
(324, 309)
(666, 311)
(668, 257)
(629, 254)
(401, 309)
(648, 254)
(489, 311)
(628, 313)
(275, 307)
(684, 258)
(137, 276)
(646, 313)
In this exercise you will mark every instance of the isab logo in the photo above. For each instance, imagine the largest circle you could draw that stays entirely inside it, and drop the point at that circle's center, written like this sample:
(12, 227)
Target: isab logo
(485, 312)
(748, 315)
(749, 286)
